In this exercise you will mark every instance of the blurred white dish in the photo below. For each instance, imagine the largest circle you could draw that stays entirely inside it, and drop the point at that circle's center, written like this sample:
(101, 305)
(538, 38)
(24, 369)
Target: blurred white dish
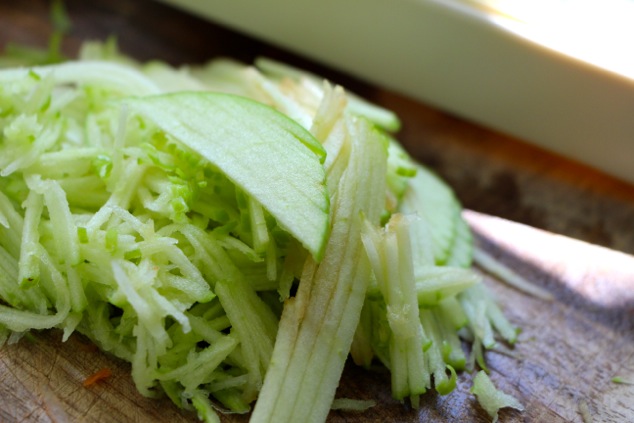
(542, 80)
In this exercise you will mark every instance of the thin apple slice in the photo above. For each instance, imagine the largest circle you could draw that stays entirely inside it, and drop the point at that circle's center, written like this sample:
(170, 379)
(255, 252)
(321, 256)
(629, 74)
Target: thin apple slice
(266, 154)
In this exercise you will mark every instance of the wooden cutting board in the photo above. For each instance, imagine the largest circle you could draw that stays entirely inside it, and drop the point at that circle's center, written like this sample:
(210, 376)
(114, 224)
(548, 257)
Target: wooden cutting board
(570, 348)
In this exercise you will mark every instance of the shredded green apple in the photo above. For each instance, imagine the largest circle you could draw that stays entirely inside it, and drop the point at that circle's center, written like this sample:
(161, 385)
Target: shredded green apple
(490, 398)
(234, 232)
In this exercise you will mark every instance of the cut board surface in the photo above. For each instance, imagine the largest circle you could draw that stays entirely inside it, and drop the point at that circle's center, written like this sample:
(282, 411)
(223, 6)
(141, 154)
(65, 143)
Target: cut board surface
(569, 349)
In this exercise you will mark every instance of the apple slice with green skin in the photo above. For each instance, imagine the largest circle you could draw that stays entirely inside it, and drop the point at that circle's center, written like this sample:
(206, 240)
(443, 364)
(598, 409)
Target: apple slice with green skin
(436, 203)
(263, 152)
(318, 323)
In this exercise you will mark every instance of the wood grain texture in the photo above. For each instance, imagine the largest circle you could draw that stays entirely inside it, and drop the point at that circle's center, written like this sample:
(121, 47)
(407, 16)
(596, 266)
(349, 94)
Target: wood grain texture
(569, 348)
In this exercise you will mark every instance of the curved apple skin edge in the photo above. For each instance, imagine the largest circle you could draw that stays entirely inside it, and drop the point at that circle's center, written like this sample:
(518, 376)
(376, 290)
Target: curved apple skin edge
(266, 154)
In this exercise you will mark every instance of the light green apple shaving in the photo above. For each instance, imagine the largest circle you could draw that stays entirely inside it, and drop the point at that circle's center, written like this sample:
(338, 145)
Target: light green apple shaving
(490, 398)
(257, 148)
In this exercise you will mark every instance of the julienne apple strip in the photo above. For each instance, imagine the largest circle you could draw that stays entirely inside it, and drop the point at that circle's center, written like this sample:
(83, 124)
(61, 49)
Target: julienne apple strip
(390, 254)
(383, 118)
